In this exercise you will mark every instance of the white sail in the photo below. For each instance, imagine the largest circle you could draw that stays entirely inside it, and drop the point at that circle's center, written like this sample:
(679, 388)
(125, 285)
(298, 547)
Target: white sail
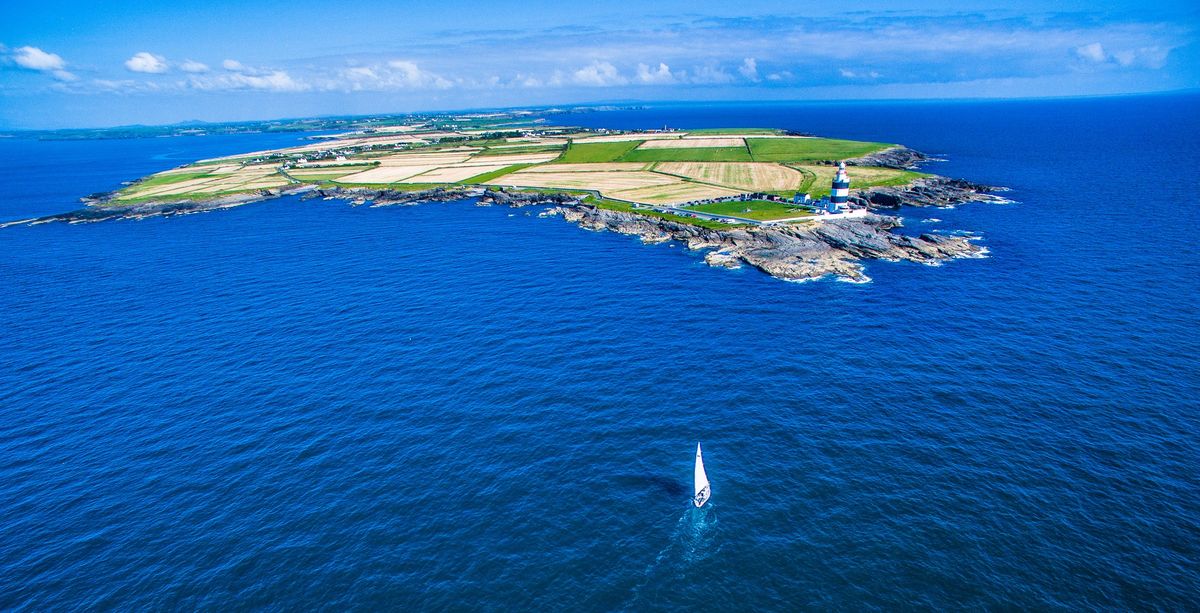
(702, 489)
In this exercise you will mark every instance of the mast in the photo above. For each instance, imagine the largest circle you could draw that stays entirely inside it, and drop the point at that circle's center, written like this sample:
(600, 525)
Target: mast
(702, 489)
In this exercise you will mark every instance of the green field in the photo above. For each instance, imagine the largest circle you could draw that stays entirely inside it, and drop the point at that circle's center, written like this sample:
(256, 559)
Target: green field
(762, 210)
(179, 177)
(489, 177)
(817, 178)
(699, 154)
(589, 153)
(809, 149)
(719, 131)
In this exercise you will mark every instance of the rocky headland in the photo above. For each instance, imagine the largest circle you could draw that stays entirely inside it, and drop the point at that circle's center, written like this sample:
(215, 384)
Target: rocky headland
(793, 252)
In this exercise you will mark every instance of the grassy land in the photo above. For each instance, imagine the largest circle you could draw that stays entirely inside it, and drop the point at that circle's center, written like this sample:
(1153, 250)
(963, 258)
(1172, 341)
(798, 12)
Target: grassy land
(179, 177)
(616, 205)
(716, 131)
(188, 197)
(817, 178)
(759, 209)
(586, 153)
(489, 177)
(699, 154)
(809, 149)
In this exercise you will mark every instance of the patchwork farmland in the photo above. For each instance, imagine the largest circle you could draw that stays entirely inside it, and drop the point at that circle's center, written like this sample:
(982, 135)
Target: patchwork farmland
(640, 168)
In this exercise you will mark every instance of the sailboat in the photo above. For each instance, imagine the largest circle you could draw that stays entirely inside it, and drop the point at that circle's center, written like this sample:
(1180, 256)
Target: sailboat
(702, 489)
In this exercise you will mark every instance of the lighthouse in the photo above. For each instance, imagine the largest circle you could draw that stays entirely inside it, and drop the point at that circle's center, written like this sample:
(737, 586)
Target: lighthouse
(840, 193)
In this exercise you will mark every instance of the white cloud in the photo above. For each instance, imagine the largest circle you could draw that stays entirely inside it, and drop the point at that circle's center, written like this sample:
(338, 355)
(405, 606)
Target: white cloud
(655, 76)
(528, 81)
(411, 75)
(144, 61)
(42, 61)
(391, 75)
(1093, 52)
(851, 74)
(598, 74)
(193, 66)
(36, 59)
(783, 75)
(273, 81)
(749, 69)
(233, 65)
(711, 74)
(1150, 57)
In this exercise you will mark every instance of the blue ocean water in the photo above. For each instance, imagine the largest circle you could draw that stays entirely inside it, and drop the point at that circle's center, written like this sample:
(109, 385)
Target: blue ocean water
(292, 405)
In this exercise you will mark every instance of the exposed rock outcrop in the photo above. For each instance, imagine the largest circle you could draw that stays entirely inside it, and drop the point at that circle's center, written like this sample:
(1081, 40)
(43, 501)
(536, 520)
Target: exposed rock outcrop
(791, 252)
(894, 157)
(928, 191)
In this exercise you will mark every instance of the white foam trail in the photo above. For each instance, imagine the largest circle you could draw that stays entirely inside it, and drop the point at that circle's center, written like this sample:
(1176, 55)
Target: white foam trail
(694, 540)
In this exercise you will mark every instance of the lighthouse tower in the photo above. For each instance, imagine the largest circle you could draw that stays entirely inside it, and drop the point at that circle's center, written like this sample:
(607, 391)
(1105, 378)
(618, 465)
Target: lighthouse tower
(840, 193)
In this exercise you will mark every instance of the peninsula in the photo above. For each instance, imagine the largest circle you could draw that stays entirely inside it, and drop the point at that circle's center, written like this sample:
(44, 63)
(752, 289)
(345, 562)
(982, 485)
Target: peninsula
(795, 206)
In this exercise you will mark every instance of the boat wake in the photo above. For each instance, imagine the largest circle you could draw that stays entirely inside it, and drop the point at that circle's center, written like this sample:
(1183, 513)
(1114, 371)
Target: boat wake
(695, 537)
(694, 540)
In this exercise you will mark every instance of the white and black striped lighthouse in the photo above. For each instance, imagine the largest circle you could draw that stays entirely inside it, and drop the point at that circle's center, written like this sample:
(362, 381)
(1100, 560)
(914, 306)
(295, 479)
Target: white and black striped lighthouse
(839, 195)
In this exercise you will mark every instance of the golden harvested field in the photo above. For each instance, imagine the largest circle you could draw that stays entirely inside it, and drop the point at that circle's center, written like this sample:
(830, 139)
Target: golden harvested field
(692, 143)
(602, 181)
(452, 174)
(323, 172)
(386, 174)
(672, 193)
(520, 158)
(597, 167)
(174, 188)
(423, 159)
(264, 183)
(747, 176)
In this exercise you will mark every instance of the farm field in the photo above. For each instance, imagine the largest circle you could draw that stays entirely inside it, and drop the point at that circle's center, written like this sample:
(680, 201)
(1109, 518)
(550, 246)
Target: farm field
(597, 152)
(809, 149)
(699, 154)
(686, 143)
(655, 168)
(746, 176)
(604, 181)
(671, 193)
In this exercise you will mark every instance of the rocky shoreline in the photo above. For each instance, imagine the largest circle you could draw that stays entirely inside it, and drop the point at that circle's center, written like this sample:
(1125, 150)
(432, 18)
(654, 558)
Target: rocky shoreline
(793, 252)
(798, 252)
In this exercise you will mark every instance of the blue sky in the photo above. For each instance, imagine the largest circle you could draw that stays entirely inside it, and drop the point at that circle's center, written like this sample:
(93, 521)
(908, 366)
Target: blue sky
(67, 64)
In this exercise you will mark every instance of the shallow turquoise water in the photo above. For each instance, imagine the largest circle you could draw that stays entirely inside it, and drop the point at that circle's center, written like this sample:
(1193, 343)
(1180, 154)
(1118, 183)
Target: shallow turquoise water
(296, 404)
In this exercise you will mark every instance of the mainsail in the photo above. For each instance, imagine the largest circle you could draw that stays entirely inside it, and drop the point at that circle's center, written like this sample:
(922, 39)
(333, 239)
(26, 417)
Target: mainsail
(702, 490)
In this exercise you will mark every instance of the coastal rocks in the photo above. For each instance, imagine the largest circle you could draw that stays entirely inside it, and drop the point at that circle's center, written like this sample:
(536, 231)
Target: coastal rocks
(927, 191)
(392, 197)
(895, 157)
(790, 252)
(102, 209)
(520, 199)
(723, 259)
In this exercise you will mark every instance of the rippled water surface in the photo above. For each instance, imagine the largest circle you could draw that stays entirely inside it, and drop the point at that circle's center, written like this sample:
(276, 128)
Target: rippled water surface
(294, 404)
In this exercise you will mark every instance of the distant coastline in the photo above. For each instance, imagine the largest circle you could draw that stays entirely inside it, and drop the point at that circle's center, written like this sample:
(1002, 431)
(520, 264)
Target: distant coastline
(766, 198)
